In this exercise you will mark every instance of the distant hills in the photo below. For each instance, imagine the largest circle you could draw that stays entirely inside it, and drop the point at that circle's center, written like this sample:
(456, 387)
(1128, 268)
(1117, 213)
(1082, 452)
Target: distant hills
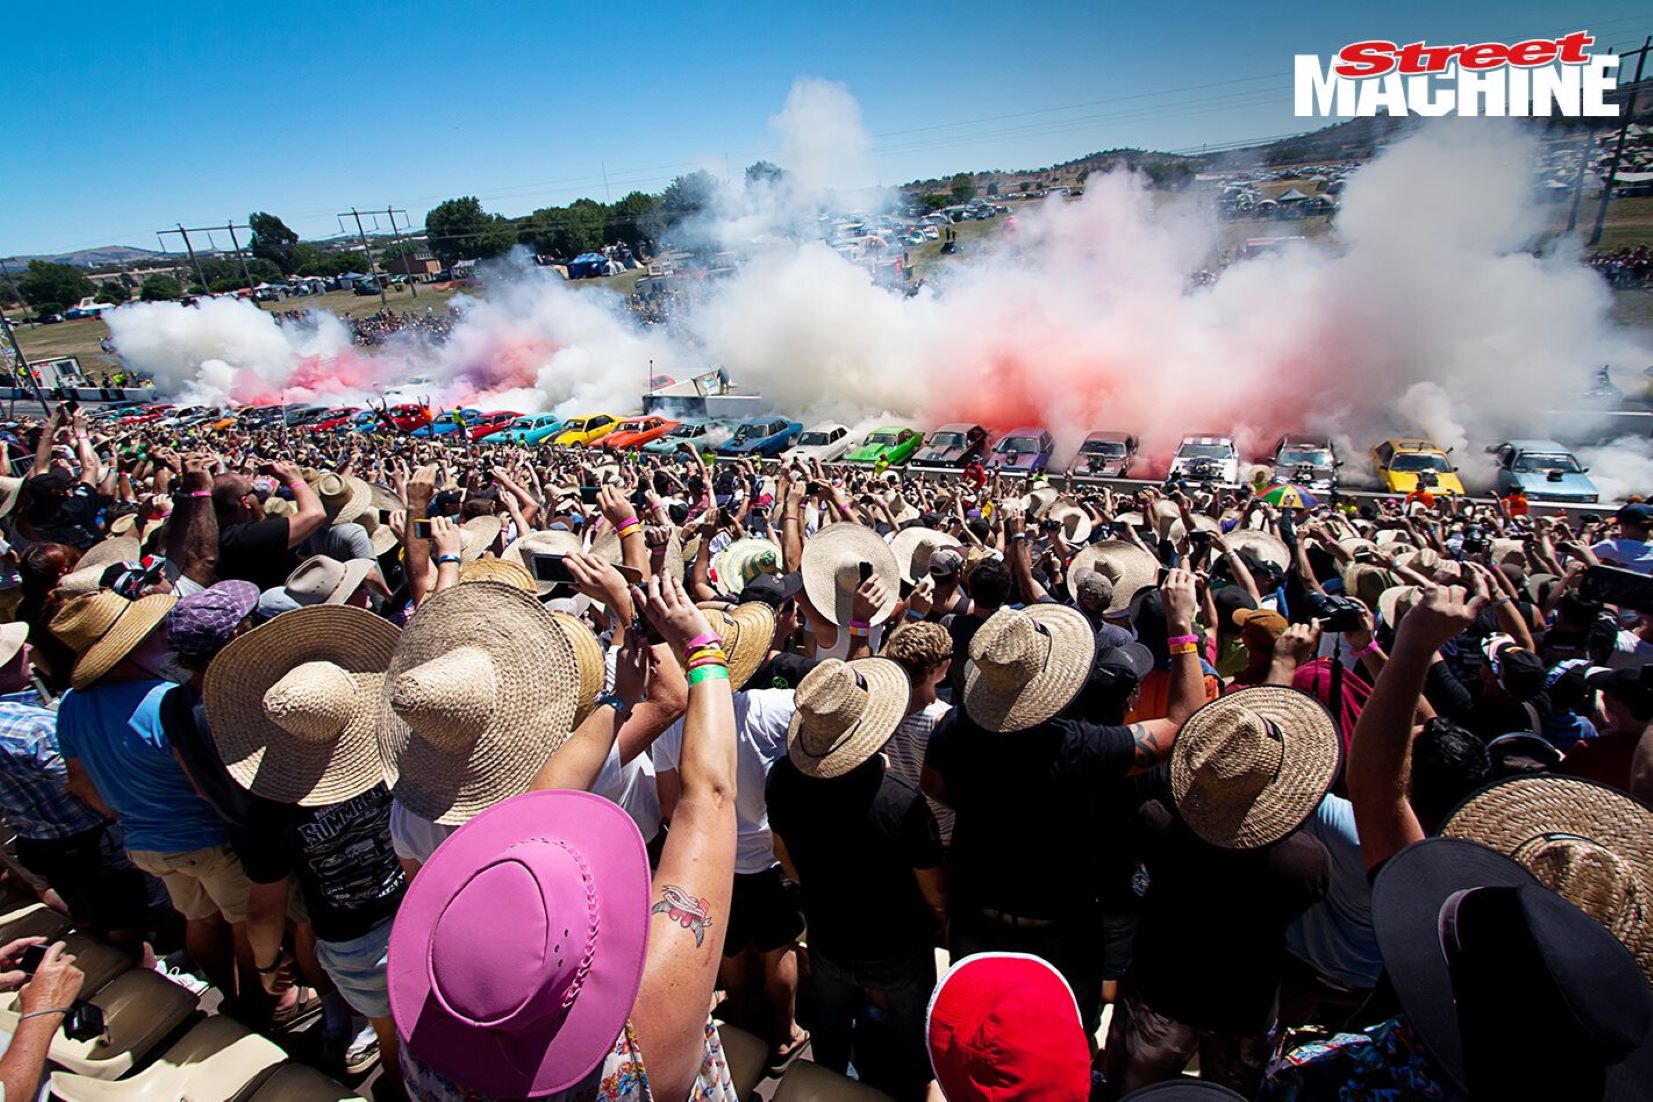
(96, 258)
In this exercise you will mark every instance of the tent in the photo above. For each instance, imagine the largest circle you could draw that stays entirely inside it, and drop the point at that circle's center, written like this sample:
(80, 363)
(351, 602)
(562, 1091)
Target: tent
(1292, 195)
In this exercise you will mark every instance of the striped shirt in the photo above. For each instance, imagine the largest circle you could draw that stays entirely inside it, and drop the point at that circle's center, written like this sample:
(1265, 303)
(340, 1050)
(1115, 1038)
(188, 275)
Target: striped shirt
(906, 750)
(35, 798)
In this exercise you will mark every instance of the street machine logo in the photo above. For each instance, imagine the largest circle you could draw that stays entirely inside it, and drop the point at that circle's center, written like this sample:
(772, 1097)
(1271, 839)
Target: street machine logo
(1536, 78)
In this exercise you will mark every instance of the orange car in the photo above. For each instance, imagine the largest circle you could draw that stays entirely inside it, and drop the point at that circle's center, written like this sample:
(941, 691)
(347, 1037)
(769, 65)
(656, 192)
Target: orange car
(634, 432)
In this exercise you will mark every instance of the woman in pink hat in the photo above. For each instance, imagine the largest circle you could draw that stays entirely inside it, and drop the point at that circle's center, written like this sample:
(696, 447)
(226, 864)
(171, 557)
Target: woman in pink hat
(533, 958)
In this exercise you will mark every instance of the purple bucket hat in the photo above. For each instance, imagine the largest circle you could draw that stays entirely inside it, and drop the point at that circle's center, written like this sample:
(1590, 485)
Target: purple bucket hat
(201, 624)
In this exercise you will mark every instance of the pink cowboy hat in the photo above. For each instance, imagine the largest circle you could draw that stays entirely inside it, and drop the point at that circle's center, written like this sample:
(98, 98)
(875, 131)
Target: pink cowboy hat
(518, 950)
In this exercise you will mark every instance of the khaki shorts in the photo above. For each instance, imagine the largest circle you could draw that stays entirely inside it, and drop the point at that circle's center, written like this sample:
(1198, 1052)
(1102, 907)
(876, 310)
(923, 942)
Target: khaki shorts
(201, 882)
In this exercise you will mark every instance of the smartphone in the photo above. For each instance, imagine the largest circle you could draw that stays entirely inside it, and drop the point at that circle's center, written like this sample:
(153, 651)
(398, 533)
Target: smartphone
(31, 959)
(643, 626)
(1612, 585)
(813, 489)
(421, 528)
(384, 516)
(552, 568)
(866, 570)
(588, 495)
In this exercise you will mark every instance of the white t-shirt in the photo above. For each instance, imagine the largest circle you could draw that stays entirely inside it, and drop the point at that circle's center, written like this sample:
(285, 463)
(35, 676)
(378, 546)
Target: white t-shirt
(414, 837)
(761, 720)
(1630, 652)
(840, 646)
(1634, 555)
(632, 787)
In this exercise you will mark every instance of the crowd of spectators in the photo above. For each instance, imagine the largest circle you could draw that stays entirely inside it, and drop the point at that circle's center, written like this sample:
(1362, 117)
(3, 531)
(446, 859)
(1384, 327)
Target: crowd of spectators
(1626, 266)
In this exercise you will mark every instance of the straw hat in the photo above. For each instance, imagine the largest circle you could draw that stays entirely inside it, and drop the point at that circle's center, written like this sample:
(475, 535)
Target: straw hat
(913, 547)
(10, 488)
(477, 535)
(846, 711)
(12, 638)
(743, 560)
(343, 498)
(1358, 546)
(1263, 546)
(524, 548)
(279, 507)
(112, 550)
(1076, 523)
(1202, 523)
(1026, 665)
(1396, 601)
(1366, 582)
(1504, 551)
(1162, 514)
(381, 536)
(1039, 499)
(321, 579)
(482, 689)
(1590, 844)
(498, 570)
(294, 705)
(1386, 536)
(1129, 567)
(746, 630)
(832, 570)
(382, 497)
(123, 525)
(589, 657)
(104, 627)
(1249, 768)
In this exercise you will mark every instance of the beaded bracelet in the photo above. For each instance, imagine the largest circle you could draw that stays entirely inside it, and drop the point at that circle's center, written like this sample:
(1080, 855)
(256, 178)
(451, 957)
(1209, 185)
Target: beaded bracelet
(859, 633)
(710, 638)
(708, 673)
(1175, 639)
(862, 624)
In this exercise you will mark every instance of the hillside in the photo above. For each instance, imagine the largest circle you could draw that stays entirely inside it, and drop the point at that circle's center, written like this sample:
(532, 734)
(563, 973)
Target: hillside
(96, 258)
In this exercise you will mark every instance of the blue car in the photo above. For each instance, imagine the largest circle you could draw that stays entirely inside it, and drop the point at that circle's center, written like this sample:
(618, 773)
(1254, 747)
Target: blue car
(761, 436)
(365, 421)
(1544, 471)
(444, 424)
(533, 428)
(1023, 451)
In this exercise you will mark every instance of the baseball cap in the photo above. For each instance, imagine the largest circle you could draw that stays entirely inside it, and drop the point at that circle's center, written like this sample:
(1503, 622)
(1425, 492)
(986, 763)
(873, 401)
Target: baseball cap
(202, 623)
(945, 562)
(1231, 599)
(1094, 590)
(1637, 512)
(772, 589)
(1523, 674)
(1003, 1026)
(1271, 622)
(1628, 685)
(1132, 657)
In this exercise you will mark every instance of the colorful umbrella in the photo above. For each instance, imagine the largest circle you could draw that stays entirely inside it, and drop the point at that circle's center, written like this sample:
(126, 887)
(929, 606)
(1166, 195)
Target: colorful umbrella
(1288, 496)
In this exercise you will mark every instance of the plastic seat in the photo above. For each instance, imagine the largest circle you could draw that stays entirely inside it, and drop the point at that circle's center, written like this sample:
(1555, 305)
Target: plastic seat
(100, 961)
(809, 1082)
(302, 1083)
(32, 920)
(139, 1010)
(217, 1061)
(748, 1057)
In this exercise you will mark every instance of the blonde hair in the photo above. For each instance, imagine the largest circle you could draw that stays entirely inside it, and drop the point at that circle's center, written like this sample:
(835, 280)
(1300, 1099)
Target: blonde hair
(918, 647)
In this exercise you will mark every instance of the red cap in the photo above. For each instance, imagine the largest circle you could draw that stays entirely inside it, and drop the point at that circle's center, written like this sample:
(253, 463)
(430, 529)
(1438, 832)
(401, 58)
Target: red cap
(1004, 1027)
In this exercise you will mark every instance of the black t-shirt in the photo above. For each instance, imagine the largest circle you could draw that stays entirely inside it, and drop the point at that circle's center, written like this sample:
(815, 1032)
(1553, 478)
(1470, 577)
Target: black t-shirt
(962, 627)
(343, 858)
(1212, 936)
(855, 841)
(76, 520)
(1024, 836)
(256, 551)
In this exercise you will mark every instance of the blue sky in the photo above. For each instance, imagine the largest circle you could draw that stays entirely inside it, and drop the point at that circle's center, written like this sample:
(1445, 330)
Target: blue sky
(128, 117)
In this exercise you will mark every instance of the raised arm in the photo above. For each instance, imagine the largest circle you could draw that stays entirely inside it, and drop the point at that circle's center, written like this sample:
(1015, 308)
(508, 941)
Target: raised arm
(192, 531)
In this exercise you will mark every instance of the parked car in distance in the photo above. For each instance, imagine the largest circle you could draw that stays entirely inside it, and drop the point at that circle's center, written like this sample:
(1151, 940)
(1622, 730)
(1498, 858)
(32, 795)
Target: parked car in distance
(586, 429)
(495, 421)
(1023, 450)
(1307, 461)
(149, 415)
(634, 432)
(1105, 454)
(533, 428)
(1403, 465)
(334, 418)
(1544, 471)
(1206, 459)
(409, 417)
(703, 433)
(894, 445)
(444, 424)
(952, 446)
(766, 436)
(827, 442)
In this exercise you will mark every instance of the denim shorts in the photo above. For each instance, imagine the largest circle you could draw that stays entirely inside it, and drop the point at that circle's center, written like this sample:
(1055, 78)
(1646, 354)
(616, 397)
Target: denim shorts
(357, 968)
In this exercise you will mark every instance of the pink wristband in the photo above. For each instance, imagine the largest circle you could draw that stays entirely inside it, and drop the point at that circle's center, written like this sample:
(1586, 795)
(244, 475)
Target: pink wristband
(1175, 639)
(1369, 648)
(200, 493)
(710, 639)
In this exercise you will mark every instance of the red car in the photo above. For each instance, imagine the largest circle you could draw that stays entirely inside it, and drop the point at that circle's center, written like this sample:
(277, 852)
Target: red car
(334, 418)
(409, 417)
(490, 423)
(151, 413)
(634, 432)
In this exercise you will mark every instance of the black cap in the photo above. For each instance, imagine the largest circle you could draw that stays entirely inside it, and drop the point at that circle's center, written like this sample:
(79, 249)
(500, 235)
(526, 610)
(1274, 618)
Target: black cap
(772, 589)
(1523, 673)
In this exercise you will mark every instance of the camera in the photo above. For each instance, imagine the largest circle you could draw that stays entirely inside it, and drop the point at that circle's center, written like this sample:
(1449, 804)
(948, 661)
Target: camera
(83, 1022)
(1475, 542)
(1334, 613)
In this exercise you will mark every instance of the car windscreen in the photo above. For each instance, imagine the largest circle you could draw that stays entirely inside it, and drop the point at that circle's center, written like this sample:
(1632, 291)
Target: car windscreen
(947, 440)
(1205, 451)
(1419, 461)
(1533, 462)
(882, 437)
(1104, 447)
(814, 439)
(1292, 455)
(1020, 444)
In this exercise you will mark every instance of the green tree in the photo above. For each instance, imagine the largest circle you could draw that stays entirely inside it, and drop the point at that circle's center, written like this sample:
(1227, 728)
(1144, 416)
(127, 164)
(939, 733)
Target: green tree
(160, 288)
(324, 262)
(264, 271)
(113, 292)
(628, 219)
(50, 288)
(273, 241)
(963, 188)
(937, 201)
(459, 229)
(764, 173)
(685, 198)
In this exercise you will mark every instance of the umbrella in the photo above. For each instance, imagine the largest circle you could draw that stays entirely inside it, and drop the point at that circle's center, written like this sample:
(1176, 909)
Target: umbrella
(1287, 496)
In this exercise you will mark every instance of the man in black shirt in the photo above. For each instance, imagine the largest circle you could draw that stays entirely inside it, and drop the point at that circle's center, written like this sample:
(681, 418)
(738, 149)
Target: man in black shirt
(863, 846)
(988, 586)
(256, 548)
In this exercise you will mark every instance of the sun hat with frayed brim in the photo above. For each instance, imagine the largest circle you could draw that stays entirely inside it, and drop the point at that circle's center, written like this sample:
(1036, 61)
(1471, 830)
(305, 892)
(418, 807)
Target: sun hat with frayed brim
(1076, 523)
(913, 547)
(104, 627)
(1590, 844)
(846, 711)
(524, 548)
(1249, 768)
(478, 534)
(743, 560)
(1202, 523)
(1002, 1026)
(481, 690)
(746, 630)
(1026, 665)
(523, 939)
(1129, 567)
(295, 706)
(831, 569)
(321, 580)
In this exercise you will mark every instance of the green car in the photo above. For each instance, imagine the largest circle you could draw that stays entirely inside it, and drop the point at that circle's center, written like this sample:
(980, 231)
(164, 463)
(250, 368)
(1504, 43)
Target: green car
(894, 445)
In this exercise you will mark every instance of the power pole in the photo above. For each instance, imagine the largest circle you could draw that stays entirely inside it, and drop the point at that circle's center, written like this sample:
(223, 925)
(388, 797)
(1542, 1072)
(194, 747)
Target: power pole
(1626, 113)
(200, 276)
(23, 373)
(396, 235)
(245, 274)
(372, 269)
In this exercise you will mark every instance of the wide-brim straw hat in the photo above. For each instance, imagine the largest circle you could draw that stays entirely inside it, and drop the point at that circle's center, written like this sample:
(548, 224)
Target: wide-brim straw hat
(1502, 551)
(1590, 844)
(295, 705)
(832, 571)
(498, 570)
(123, 525)
(104, 627)
(1162, 514)
(743, 560)
(112, 550)
(1040, 498)
(12, 638)
(10, 490)
(1357, 546)
(382, 538)
(1026, 665)
(1202, 523)
(746, 630)
(1386, 536)
(1262, 546)
(1076, 522)
(279, 507)
(845, 713)
(1130, 568)
(913, 547)
(1396, 601)
(477, 535)
(482, 689)
(383, 497)
(524, 548)
(588, 657)
(1249, 768)
(344, 498)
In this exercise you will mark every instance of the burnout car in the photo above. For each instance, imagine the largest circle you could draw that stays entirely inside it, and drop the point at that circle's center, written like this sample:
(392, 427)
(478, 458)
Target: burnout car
(827, 442)
(952, 446)
(634, 432)
(1307, 461)
(765, 436)
(148, 416)
(1105, 455)
(1025, 450)
(302, 417)
(585, 430)
(489, 423)
(409, 417)
(1544, 471)
(334, 419)
(1206, 459)
(1404, 465)
(893, 445)
(535, 428)
(702, 433)
(445, 425)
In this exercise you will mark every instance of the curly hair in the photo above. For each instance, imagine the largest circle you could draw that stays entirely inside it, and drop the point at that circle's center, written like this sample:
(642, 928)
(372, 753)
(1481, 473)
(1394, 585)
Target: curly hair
(918, 647)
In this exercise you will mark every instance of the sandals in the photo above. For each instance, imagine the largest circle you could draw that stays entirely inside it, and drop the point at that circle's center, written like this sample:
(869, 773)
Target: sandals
(778, 1063)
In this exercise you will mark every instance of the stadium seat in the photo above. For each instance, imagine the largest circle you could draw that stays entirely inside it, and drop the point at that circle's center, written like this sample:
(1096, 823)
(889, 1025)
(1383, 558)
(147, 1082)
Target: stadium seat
(810, 1082)
(139, 1009)
(100, 961)
(217, 1061)
(302, 1083)
(748, 1057)
(32, 920)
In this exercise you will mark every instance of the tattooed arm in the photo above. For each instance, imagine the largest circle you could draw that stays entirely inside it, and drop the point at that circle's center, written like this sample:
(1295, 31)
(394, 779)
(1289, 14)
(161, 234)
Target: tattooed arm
(1153, 739)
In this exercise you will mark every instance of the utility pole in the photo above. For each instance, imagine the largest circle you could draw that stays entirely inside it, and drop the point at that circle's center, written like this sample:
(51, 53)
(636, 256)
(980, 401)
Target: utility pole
(1626, 113)
(608, 196)
(22, 373)
(396, 235)
(1584, 151)
(245, 274)
(372, 269)
(200, 276)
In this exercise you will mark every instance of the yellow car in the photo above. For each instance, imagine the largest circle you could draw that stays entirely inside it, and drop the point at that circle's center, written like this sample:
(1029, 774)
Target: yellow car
(587, 429)
(1403, 464)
